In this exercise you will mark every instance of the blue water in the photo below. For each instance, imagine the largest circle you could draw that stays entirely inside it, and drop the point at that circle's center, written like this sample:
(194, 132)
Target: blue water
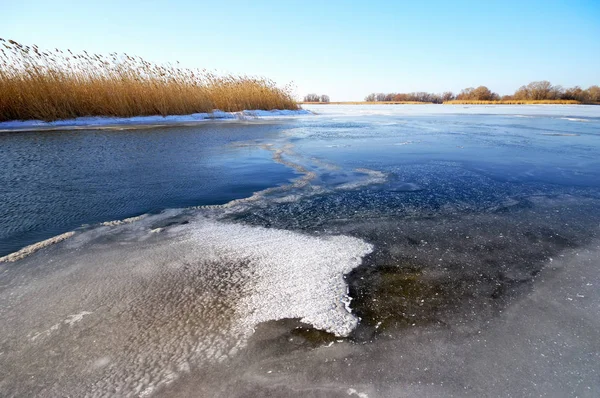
(53, 182)
(546, 148)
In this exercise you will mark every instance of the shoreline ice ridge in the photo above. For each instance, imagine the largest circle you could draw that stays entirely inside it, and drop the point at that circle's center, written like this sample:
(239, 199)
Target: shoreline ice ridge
(102, 121)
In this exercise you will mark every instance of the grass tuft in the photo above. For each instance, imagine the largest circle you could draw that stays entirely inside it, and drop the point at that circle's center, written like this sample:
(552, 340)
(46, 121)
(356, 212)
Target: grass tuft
(51, 85)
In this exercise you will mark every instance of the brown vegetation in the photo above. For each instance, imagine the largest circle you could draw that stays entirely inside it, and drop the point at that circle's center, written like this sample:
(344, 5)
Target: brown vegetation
(50, 85)
(541, 92)
(481, 93)
(314, 98)
(544, 90)
(416, 97)
(513, 102)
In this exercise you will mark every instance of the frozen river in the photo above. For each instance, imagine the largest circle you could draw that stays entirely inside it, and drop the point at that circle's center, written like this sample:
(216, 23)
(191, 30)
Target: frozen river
(369, 251)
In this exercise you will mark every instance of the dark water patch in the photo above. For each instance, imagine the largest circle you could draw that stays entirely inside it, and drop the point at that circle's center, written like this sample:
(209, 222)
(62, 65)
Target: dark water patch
(312, 337)
(283, 336)
(392, 297)
(451, 271)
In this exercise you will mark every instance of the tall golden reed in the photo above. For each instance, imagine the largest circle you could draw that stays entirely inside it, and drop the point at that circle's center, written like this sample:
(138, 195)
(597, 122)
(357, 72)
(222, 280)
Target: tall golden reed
(51, 85)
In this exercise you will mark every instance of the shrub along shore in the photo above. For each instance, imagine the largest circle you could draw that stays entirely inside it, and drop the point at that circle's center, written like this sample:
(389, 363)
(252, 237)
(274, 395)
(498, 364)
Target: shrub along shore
(459, 102)
(53, 85)
(519, 102)
(540, 92)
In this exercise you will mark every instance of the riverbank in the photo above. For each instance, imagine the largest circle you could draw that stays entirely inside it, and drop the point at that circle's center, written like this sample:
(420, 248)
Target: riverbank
(519, 102)
(456, 102)
(570, 113)
(145, 121)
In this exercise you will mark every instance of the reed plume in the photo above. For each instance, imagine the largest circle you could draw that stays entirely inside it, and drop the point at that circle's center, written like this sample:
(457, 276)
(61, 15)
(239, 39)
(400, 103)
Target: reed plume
(51, 85)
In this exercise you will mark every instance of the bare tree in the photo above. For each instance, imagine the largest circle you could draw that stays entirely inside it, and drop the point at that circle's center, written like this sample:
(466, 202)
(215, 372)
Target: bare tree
(593, 93)
(448, 96)
(541, 90)
(575, 93)
(311, 98)
(465, 94)
(406, 97)
(324, 98)
(481, 93)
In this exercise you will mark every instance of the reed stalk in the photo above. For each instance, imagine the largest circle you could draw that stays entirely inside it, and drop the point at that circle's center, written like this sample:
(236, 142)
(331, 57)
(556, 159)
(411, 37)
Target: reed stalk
(51, 85)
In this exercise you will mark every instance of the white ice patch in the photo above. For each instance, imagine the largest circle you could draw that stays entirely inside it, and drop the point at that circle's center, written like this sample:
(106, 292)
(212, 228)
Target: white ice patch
(98, 121)
(407, 143)
(191, 297)
(352, 391)
(24, 252)
(561, 134)
(274, 113)
(70, 321)
(352, 111)
(296, 276)
(575, 119)
(124, 221)
(73, 319)
(371, 177)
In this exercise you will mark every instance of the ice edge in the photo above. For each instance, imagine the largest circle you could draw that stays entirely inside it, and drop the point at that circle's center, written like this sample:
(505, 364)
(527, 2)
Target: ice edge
(100, 121)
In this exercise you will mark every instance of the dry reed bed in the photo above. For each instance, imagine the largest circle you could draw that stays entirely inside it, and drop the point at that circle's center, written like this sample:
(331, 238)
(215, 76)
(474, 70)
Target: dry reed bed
(513, 102)
(51, 85)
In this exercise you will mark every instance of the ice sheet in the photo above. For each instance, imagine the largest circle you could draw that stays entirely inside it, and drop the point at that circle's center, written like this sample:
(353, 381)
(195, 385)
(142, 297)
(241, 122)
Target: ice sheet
(143, 303)
(149, 120)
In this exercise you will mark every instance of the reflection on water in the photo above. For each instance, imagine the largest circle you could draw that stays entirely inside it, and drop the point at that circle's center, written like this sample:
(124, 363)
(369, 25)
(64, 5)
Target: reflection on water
(404, 251)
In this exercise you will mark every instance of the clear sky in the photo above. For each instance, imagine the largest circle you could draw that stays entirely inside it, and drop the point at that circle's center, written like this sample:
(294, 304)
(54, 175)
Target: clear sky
(346, 49)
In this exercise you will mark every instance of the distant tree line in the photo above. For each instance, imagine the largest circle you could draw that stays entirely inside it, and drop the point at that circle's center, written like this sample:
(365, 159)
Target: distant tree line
(316, 98)
(410, 97)
(542, 90)
(481, 93)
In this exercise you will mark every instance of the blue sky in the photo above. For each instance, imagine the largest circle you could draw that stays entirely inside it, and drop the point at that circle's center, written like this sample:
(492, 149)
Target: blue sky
(346, 49)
